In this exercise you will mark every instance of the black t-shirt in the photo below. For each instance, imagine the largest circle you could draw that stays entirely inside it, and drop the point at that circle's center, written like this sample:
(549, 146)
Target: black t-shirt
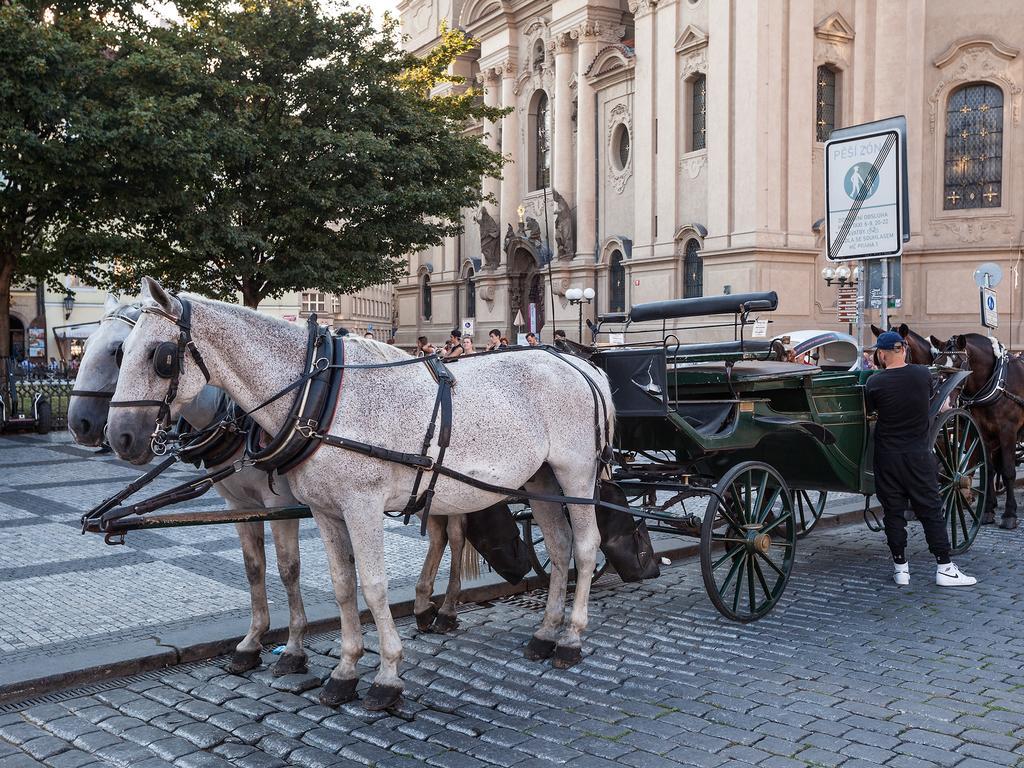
(900, 395)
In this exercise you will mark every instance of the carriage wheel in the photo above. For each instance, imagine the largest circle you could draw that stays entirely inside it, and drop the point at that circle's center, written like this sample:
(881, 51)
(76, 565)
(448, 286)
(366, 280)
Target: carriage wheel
(963, 475)
(748, 541)
(809, 507)
(538, 553)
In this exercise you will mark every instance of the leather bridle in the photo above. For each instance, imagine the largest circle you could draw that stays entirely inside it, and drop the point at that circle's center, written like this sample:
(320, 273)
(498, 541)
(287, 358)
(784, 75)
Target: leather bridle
(159, 439)
(122, 314)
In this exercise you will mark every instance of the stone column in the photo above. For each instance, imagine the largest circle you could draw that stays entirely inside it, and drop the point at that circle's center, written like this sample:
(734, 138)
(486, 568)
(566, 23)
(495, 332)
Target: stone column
(492, 92)
(586, 145)
(643, 128)
(511, 148)
(562, 179)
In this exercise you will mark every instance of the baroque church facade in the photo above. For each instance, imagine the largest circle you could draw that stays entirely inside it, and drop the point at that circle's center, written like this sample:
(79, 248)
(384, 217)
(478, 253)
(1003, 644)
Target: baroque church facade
(661, 149)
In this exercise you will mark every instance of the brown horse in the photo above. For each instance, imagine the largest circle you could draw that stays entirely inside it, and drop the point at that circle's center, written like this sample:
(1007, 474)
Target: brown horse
(994, 394)
(919, 350)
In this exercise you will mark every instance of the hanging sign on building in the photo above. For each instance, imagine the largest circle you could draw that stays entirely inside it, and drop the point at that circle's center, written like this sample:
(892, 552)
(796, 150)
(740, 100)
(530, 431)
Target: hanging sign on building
(866, 191)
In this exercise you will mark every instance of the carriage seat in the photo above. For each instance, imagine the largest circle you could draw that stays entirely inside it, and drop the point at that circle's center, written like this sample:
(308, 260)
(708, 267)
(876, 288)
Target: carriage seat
(735, 303)
(747, 370)
(709, 417)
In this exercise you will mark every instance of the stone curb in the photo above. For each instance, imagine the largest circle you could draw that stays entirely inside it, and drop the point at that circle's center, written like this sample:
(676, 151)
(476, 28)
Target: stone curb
(206, 639)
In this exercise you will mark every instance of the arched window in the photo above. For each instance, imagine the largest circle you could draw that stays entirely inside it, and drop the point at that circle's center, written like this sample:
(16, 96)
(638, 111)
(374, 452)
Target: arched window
(698, 112)
(426, 299)
(974, 147)
(693, 270)
(542, 143)
(616, 283)
(825, 103)
(470, 294)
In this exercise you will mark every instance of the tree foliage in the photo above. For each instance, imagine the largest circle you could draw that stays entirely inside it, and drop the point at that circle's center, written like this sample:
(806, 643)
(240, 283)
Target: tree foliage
(326, 159)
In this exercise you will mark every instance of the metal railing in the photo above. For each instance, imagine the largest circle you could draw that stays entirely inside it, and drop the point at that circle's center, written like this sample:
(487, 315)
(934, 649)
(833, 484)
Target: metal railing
(20, 383)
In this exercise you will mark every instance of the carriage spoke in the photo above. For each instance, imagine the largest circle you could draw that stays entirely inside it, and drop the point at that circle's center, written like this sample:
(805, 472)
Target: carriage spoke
(965, 456)
(761, 578)
(737, 561)
(750, 587)
(774, 567)
(731, 553)
(767, 508)
(739, 584)
(777, 522)
(757, 504)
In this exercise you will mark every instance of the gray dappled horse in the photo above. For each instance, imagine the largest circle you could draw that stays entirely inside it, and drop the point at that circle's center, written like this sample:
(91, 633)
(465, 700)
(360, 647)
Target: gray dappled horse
(247, 489)
(525, 419)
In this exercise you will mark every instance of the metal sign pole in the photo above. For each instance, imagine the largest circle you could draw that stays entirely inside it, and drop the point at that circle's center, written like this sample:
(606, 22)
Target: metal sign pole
(862, 290)
(884, 314)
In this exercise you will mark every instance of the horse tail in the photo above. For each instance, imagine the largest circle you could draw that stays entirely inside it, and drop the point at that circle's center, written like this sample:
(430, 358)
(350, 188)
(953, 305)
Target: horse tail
(470, 561)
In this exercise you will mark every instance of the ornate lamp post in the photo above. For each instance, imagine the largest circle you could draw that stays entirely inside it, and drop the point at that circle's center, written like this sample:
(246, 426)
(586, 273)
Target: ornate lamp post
(578, 297)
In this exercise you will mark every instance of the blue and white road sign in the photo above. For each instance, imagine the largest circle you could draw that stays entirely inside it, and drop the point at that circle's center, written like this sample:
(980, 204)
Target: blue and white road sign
(989, 310)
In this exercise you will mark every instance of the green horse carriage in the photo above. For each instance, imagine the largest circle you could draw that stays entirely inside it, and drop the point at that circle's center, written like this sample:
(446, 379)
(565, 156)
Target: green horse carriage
(729, 443)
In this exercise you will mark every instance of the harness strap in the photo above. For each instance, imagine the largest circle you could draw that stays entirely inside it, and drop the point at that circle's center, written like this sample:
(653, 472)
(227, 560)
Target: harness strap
(92, 393)
(137, 484)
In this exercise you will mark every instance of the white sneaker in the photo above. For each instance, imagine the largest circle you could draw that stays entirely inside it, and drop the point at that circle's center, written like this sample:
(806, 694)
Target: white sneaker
(949, 575)
(901, 573)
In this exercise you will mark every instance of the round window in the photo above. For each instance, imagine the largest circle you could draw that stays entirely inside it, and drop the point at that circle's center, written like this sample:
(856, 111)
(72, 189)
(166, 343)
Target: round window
(620, 147)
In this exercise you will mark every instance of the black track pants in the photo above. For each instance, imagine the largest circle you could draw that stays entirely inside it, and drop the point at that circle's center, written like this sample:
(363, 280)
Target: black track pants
(911, 479)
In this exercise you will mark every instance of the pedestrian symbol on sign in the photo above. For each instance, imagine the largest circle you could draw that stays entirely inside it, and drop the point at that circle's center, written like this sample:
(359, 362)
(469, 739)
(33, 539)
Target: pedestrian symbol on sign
(855, 178)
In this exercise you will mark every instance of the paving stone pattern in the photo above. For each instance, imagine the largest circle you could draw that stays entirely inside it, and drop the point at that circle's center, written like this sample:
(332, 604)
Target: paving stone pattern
(848, 670)
(60, 588)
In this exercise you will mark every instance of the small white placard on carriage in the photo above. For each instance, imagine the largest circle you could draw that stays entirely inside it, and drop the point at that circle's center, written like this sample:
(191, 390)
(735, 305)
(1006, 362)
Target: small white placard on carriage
(865, 192)
(760, 329)
(989, 308)
(616, 338)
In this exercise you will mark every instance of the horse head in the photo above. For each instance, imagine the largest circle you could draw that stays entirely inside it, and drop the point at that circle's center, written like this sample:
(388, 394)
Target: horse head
(968, 352)
(918, 350)
(97, 374)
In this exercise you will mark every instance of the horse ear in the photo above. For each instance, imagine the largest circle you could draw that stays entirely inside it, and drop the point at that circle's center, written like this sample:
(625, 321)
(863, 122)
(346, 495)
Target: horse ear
(111, 304)
(961, 342)
(154, 294)
(876, 330)
(903, 330)
(937, 343)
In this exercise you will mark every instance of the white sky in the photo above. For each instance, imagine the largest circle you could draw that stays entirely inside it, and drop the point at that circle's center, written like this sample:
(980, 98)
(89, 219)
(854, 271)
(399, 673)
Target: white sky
(379, 6)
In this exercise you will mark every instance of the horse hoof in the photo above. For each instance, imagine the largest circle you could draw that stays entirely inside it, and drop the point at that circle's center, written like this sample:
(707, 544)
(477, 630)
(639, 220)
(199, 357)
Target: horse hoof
(988, 518)
(242, 661)
(425, 619)
(538, 650)
(1008, 523)
(290, 664)
(566, 656)
(337, 692)
(381, 697)
(444, 623)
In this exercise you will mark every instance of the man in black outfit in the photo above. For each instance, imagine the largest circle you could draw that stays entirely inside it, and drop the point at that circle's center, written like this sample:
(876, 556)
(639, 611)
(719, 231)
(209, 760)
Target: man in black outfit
(905, 468)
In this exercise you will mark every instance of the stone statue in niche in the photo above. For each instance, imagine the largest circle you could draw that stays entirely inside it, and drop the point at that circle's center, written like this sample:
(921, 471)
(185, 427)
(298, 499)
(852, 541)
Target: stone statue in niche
(509, 235)
(530, 229)
(565, 238)
(489, 239)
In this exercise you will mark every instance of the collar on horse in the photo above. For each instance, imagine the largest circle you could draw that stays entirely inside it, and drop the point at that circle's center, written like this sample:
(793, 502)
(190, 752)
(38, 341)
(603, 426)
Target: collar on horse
(995, 387)
(168, 361)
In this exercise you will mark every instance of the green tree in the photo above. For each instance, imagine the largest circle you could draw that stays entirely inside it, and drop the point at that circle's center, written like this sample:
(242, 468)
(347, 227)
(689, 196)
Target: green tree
(329, 158)
(95, 126)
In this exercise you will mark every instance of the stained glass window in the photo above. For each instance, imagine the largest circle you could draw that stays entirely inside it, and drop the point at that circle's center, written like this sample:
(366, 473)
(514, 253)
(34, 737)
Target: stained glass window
(693, 270)
(974, 148)
(698, 116)
(617, 284)
(542, 143)
(825, 113)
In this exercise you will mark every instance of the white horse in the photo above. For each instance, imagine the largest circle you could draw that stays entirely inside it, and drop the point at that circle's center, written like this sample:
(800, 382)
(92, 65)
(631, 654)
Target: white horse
(523, 419)
(87, 418)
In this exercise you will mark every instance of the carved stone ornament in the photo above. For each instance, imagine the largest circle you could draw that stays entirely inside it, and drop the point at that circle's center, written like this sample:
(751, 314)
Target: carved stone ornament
(599, 31)
(971, 59)
(692, 39)
(565, 237)
(693, 62)
(693, 164)
(619, 176)
(640, 8)
(834, 28)
(489, 246)
(969, 231)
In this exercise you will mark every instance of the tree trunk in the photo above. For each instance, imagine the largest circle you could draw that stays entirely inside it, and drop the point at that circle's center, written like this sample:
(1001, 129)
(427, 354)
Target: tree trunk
(250, 294)
(6, 277)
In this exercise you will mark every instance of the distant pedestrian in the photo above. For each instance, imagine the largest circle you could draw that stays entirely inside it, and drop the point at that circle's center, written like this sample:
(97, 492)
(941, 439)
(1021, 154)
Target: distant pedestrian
(455, 348)
(467, 344)
(559, 335)
(505, 343)
(368, 335)
(531, 339)
(495, 340)
(423, 347)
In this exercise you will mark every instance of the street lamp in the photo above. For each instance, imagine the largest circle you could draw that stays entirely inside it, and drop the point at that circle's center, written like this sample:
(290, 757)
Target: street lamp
(69, 304)
(842, 275)
(578, 297)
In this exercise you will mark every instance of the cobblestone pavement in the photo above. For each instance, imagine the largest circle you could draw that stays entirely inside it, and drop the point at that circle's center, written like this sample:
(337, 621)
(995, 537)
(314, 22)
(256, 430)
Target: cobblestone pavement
(848, 670)
(60, 588)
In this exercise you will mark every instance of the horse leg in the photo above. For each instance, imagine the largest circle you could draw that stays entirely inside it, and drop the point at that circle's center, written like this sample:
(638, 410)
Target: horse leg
(423, 608)
(558, 541)
(364, 521)
(586, 539)
(340, 687)
(988, 514)
(247, 652)
(447, 618)
(286, 544)
(1008, 469)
